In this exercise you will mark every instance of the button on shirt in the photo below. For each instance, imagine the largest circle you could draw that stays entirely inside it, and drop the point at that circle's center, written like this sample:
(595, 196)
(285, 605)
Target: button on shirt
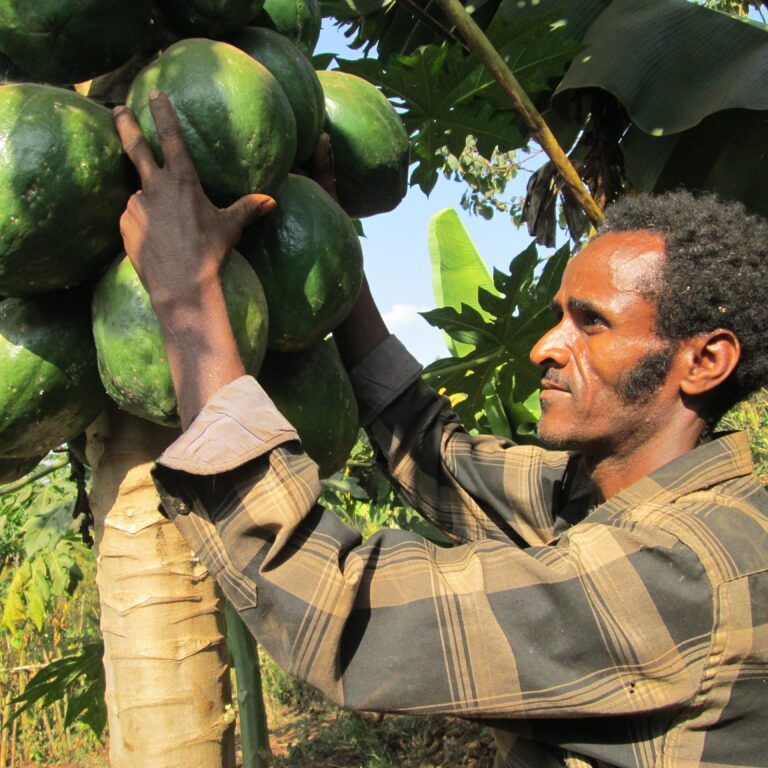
(632, 632)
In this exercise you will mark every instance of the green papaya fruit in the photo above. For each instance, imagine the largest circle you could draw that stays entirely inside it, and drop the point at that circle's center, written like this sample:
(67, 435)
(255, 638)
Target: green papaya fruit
(131, 353)
(297, 78)
(312, 390)
(309, 260)
(237, 123)
(369, 145)
(49, 383)
(64, 181)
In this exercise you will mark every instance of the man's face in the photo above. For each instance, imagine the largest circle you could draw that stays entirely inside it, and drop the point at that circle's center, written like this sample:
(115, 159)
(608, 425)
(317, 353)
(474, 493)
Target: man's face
(604, 383)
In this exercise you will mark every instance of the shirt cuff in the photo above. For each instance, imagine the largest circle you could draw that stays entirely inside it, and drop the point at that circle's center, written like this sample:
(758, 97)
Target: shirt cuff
(238, 424)
(382, 376)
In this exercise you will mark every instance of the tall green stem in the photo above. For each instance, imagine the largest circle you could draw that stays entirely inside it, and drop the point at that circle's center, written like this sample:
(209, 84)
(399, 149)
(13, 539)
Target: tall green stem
(254, 734)
(482, 47)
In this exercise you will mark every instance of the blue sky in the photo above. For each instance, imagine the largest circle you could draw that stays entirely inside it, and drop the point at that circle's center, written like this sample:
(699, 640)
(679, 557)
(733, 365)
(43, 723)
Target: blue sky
(395, 246)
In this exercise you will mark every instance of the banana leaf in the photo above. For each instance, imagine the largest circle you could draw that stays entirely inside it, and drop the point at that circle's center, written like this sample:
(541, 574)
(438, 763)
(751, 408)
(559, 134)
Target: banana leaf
(726, 153)
(458, 270)
(672, 63)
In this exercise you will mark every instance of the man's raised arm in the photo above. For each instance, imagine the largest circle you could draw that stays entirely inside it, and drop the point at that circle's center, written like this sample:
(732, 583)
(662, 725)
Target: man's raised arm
(177, 241)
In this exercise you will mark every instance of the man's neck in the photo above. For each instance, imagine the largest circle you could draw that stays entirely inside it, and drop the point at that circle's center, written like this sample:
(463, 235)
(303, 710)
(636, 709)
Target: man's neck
(617, 471)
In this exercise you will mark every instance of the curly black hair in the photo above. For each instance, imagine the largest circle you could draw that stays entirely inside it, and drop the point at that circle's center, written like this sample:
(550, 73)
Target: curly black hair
(715, 275)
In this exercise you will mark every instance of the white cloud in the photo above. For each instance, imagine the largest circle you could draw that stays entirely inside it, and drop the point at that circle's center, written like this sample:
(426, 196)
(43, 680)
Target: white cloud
(402, 315)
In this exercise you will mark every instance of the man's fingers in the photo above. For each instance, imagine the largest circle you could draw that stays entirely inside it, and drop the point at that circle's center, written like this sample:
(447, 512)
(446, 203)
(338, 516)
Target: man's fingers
(169, 134)
(244, 212)
(135, 145)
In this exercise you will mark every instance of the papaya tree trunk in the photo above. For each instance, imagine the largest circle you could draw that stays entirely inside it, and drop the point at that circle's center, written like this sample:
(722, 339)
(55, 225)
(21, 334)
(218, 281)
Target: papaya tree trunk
(167, 679)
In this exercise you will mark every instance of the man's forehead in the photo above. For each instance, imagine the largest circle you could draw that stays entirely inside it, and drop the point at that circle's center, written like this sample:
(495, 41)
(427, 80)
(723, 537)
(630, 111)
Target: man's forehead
(618, 261)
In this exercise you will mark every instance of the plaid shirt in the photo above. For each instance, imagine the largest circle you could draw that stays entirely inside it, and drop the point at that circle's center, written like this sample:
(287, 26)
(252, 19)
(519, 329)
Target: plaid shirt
(628, 633)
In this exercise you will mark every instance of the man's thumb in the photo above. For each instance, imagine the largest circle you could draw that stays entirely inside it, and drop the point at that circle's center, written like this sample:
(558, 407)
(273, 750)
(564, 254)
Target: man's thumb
(245, 211)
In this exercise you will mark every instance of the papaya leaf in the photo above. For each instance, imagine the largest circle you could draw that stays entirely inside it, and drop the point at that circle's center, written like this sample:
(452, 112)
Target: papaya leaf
(49, 517)
(443, 95)
(552, 274)
(495, 413)
(521, 271)
(497, 373)
(492, 303)
(80, 677)
(14, 610)
(49, 573)
(36, 595)
(394, 27)
(340, 484)
(466, 325)
(323, 60)
(575, 15)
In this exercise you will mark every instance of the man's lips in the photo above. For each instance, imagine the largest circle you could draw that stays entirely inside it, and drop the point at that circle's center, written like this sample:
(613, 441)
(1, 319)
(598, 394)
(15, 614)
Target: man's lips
(547, 385)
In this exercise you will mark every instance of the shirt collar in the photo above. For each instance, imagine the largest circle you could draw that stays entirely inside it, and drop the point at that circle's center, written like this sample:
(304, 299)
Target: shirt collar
(725, 457)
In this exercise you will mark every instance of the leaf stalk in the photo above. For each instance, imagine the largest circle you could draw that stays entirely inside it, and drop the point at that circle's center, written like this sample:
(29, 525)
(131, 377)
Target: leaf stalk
(463, 364)
(481, 46)
(17, 485)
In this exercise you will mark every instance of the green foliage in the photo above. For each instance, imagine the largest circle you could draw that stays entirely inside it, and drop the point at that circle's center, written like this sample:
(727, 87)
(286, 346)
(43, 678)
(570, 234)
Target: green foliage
(458, 270)
(736, 7)
(18, 499)
(443, 95)
(284, 690)
(487, 179)
(363, 496)
(673, 64)
(493, 387)
(752, 416)
(47, 544)
(43, 561)
(687, 85)
(47, 734)
(79, 677)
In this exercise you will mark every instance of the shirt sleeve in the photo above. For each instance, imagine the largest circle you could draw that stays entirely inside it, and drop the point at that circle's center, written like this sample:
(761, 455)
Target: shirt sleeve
(472, 487)
(484, 629)
(239, 423)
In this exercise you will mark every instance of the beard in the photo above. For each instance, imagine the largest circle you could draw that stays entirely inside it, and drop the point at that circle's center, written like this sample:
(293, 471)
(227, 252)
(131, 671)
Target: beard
(636, 386)
(642, 381)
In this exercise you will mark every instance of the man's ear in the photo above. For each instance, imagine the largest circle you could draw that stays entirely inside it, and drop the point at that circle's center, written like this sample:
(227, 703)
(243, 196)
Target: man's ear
(710, 359)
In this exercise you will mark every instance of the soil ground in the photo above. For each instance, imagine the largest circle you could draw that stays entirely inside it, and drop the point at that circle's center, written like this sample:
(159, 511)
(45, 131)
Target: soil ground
(331, 738)
(326, 737)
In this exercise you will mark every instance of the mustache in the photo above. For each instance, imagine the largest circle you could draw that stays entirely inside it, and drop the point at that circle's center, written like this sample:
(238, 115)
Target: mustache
(553, 377)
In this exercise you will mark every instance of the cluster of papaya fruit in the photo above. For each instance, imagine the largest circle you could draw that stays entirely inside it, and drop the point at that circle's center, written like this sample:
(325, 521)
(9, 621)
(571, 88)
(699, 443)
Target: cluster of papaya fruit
(76, 324)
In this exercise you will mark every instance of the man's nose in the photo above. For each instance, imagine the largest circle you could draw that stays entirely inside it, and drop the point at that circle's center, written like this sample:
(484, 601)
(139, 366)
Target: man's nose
(550, 350)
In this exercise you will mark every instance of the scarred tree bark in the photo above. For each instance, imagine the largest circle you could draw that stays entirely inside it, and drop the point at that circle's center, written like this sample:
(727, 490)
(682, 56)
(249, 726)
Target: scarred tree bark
(167, 679)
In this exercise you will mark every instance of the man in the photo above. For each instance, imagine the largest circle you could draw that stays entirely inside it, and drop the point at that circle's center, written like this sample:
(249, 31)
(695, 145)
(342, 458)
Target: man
(607, 602)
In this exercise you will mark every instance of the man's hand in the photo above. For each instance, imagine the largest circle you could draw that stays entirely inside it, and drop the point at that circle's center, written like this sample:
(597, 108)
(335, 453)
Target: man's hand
(177, 240)
(175, 237)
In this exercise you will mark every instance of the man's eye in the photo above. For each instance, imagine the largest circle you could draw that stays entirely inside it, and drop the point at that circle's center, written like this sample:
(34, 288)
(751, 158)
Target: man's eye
(591, 320)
